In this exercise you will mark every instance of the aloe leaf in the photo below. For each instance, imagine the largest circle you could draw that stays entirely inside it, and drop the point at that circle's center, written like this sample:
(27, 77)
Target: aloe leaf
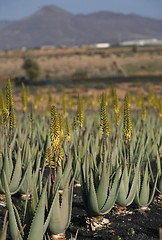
(84, 186)
(6, 166)
(27, 181)
(3, 235)
(55, 220)
(34, 195)
(159, 187)
(102, 189)
(18, 220)
(51, 207)
(133, 188)
(112, 193)
(64, 173)
(145, 189)
(66, 204)
(61, 213)
(16, 177)
(158, 162)
(92, 207)
(1, 161)
(70, 192)
(153, 190)
(38, 162)
(125, 196)
(37, 225)
(122, 194)
(12, 219)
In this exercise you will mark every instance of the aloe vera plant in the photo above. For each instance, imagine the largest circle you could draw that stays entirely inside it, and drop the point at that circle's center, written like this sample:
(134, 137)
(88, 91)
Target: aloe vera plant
(112, 165)
(61, 211)
(99, 191)
(144, 193)
(12, 171)
(36, 220)
(35, 227)
(128, 186)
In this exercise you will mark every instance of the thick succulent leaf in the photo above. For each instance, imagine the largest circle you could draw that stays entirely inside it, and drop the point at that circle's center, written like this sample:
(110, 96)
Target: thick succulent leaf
(19, 223)
(1, 184)
(3, 234)
(7, 167)
(77, 171)
(37, 225)
(34, 195)
(66, 204)
(66, 172)
(112, 193)
(144, 196)
(54, 224)
(85, 188)
(153, 190)
(61, 212)
(27, 182)
(50, 210)
(21, 183)
(122, 194)
(1, 161)
(158, 162)
(102, 189)
(145, 189)
(125, 195)
(16, 177)
(92, 206)
(14, 231)
(26, 153)
(37, 163)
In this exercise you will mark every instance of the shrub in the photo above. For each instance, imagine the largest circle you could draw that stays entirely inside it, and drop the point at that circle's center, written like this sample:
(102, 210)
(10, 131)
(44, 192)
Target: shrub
(32, 69)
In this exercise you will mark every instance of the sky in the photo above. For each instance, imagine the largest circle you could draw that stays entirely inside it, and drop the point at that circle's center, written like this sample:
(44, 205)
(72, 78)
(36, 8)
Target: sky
(17, 9)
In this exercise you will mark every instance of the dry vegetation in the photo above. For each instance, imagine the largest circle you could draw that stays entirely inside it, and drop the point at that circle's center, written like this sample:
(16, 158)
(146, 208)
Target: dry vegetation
(84, 62)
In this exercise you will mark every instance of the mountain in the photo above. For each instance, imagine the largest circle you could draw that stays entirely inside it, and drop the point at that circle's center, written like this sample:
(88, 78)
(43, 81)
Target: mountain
(4, 23)
(52, 25)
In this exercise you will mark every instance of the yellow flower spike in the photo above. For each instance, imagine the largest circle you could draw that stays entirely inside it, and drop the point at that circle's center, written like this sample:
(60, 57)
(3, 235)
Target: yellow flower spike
(54, 128)
(61, 125)
(12, 118)
(10, 106)
(104, 123)
(9, 99)
(24, 97)
(49, 161)
(127, 128)
(80, 112)
(117, 114)
(5, 117)
(74, 123)
(67, 130)
(60, 155)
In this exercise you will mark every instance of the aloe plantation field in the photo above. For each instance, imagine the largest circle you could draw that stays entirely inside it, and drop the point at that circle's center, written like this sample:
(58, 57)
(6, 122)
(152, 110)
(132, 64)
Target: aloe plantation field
(80, 165)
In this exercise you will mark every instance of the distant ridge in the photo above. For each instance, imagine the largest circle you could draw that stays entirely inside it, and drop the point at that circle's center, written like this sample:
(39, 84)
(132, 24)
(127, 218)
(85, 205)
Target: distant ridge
(52, 25)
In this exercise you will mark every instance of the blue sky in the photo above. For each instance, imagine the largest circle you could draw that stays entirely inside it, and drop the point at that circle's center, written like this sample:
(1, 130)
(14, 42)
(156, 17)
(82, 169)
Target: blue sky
(16, 9)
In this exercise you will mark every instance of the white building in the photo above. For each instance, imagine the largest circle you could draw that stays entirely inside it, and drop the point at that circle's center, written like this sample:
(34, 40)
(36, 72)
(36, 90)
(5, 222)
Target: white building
(102, 45)
(142, 42)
